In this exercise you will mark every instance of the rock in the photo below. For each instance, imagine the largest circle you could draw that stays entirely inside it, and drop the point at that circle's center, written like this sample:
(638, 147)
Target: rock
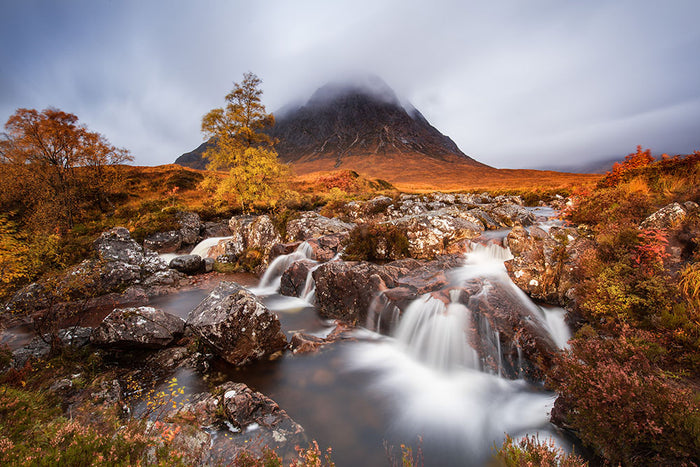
(254, 421)
(39, 347)
(188, 264)
(139, 327)
(216, 229)
(237, 325)
(327, 247)
(247, 233)
(436, 232)
(305, 343)
(190, 225)
(501, 324)
(344, 290)
(312, 225)
(295, 276)
(208, 264)
(163, 242)
(117, 245)
(77, 336)
(262, 235)
(507, 214)
(543, 262)
(28, 299)
(668, 217)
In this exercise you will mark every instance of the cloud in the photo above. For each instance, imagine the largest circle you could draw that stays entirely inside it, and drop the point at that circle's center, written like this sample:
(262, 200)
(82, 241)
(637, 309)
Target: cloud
(515, 84)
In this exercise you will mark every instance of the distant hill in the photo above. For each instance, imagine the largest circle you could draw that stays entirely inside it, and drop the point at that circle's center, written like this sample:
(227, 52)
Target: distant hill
(363, 126)
(342, 122)
(599, 166)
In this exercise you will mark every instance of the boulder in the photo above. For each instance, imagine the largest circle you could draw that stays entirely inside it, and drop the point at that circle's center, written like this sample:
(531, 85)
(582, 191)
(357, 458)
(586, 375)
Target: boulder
(344, 290)
(254, 422)
(163, 242)
(294, 278)
(190, 225)
(236, 324)
(436, 232)
(139, 327)
(668, 217)
(327, 247)
(543, 262)
(188, 264)
(507, 214)
(312, 225)
(262, 235)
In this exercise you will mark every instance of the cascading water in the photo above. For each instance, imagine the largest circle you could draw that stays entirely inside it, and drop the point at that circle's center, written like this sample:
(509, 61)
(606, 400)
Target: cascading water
(435, 334)
(270, 281)
(440, 387)
(202, 248)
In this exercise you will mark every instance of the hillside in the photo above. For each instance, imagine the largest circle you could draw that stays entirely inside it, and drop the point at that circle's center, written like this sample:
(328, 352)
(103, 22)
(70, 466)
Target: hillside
(365, 127)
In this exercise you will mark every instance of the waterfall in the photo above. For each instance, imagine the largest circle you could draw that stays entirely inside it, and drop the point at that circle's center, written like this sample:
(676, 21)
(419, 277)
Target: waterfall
(203, 247)
(270, 282)
(434, 333)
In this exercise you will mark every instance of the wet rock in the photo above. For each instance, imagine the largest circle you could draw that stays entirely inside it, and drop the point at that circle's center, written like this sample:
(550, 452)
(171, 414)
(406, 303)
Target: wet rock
(543, 262)
(216, 229)
(238, 327)
(279, 249)
(437, 232)
(344, 290)
(312, 225)
(188, 264)
(327, 247)
(138, 327)
(190, 225)
(668, 217)
(525, 347)
(253, 420)
(208, 264)
(295, 276)
(163, 242)
(28, 299)
(40, 347)
(306, 343)
(507, 214)
(170, 278)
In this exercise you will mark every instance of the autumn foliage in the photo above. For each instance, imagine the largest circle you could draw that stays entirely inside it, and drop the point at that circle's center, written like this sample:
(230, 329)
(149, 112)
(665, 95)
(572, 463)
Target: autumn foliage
(241, 147)
(628, 386)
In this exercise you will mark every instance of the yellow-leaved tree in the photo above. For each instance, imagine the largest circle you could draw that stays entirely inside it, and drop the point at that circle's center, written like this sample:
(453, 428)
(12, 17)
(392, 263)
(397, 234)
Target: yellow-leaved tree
(241, 146)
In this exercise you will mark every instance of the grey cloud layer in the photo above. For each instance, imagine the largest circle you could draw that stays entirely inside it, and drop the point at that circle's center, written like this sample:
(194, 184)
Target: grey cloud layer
(515, 84)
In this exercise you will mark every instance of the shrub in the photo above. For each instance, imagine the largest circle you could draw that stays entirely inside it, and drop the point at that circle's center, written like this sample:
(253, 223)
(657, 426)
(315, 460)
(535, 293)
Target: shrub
(624, 406)
(376, 242)
(531, 452)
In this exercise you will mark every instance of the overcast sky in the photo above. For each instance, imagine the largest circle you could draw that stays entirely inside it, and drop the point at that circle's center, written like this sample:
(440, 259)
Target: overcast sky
(514, 83)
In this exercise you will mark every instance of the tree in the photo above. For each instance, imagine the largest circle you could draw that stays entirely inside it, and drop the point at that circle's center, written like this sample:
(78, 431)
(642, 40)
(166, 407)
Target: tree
(243, 148)
(54, 168)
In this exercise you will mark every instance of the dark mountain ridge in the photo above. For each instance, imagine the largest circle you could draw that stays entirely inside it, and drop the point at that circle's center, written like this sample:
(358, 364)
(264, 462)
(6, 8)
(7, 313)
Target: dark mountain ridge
(342, 124)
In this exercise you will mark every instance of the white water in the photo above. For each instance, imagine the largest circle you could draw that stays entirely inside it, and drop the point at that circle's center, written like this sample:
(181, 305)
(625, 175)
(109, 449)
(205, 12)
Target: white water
(202, 248)
(433, 376)
(270, 281)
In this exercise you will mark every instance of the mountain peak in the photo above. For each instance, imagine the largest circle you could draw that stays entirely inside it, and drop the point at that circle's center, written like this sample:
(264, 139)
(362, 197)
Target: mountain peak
(358, 123)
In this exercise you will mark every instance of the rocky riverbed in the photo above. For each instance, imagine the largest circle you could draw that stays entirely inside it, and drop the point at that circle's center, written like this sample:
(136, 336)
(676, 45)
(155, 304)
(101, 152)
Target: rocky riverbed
(445, 344)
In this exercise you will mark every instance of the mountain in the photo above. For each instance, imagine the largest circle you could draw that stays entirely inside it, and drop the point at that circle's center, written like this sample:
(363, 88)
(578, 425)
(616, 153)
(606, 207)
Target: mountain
(354, 125)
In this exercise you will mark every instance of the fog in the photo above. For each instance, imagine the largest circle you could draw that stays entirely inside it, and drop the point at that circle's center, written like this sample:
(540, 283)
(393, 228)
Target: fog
(514, 84)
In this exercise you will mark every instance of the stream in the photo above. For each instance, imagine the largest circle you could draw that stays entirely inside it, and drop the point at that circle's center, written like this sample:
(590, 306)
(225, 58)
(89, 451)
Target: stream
(421, 385)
